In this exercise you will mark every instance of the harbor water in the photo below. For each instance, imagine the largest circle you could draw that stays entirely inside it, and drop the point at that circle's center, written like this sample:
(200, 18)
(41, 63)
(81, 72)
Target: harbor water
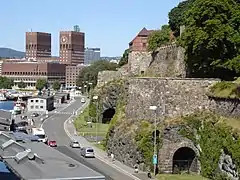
(7, 105)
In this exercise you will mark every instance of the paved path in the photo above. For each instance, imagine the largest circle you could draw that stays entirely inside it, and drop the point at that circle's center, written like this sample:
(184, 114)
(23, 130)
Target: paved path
(54, 128)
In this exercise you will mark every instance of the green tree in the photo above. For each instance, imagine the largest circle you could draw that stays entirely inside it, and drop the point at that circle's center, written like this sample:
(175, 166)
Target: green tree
(89, 74)
(124, 58)
(159, 37)
(176, 16)
(41, 83)
(212, 38)
(56, 85)
(22, 85)
(6, 83)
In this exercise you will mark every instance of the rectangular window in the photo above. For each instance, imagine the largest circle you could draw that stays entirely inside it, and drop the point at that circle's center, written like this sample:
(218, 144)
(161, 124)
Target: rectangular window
(41, 107)
(31, 100)
(36, 101)
(36, 107)
(32, 107)
(41, 101)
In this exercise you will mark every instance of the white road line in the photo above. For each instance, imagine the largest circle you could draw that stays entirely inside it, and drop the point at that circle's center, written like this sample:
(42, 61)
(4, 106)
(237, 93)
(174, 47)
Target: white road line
(97, 156)
(51, 117)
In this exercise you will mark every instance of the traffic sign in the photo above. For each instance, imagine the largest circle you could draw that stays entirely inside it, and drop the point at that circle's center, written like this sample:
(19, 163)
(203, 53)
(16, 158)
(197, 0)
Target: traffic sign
(154, 159)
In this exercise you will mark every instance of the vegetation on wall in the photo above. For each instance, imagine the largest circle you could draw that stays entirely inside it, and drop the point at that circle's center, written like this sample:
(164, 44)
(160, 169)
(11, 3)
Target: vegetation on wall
(124, 58)
(56, 85)
(159, 37)
(225, 89)
(211, 38)
(213, 135)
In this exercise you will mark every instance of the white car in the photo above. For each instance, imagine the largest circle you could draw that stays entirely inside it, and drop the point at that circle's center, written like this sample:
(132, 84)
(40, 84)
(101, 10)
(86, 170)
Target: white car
(83, 100)
(75, 144)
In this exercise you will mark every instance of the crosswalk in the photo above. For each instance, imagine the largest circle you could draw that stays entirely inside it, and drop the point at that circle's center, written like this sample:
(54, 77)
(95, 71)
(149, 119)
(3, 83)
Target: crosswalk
(68, 113)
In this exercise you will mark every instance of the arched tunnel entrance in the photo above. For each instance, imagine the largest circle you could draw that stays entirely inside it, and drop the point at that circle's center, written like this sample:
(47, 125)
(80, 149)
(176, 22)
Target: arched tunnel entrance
(108, 115)
(184, 159)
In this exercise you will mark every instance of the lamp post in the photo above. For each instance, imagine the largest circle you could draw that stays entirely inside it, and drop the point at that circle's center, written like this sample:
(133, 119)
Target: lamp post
(85, 89)
(96, 99)
(155, 156)
(90, 84)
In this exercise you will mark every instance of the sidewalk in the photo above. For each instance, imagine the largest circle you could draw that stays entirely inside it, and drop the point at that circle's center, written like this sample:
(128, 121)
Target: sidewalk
(102, 155)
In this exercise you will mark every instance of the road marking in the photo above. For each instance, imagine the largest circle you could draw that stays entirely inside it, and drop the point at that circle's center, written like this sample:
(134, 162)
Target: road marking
(98, 157)
(57, 114)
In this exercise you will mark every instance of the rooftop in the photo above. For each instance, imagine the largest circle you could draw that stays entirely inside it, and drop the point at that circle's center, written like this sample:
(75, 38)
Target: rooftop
(35, 160)
(41, 97)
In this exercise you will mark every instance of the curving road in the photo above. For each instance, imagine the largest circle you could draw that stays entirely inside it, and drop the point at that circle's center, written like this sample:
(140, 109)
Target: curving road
(54, 128)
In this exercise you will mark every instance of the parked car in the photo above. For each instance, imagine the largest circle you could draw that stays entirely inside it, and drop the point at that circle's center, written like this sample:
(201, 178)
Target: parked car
(87, 152)
(74, 144)
(52, 143)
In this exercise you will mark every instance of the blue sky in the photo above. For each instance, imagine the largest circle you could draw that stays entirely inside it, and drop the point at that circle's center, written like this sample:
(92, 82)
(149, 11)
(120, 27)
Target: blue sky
(108, 24)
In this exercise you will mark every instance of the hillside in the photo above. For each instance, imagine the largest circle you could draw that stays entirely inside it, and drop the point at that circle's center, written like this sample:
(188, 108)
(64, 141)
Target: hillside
(11, 53)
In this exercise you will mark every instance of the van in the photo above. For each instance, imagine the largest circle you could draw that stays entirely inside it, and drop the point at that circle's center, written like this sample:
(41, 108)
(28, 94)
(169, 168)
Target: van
(87, 152)
(40, 133)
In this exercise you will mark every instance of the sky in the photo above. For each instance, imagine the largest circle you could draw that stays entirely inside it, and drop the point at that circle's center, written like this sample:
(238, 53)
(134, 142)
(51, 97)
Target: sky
(108, 24)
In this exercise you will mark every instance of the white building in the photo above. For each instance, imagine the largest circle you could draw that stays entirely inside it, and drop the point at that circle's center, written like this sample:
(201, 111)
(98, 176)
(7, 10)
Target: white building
(40, 104)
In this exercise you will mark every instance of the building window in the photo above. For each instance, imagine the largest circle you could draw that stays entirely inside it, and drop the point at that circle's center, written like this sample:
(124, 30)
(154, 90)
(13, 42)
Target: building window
(144, 45)
(31, 100)
(41, 101)
(32, 107)
(41, 107)
(37, 101)
(36, 107)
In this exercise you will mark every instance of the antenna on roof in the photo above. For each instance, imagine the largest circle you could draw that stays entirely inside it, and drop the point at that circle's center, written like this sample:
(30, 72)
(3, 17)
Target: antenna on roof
(76, 28)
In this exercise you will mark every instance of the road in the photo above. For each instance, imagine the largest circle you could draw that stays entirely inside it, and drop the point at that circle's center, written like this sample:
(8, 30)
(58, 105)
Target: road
(54, 128)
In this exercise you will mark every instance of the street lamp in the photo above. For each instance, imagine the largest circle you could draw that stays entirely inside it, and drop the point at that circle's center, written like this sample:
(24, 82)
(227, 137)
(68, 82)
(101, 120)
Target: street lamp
(96, 99)
(155, 156)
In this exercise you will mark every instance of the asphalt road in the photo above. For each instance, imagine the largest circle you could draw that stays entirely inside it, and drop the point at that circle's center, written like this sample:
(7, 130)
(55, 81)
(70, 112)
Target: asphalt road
(54, 128)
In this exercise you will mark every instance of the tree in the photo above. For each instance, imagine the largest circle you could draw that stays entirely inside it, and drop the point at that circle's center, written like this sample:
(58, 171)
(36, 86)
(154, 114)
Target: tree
(159, 37)
(41, 83)
(176, 16)
(212, 38)
(56, 85)
(90, 73)
(6, 83)
(124, 58)
(21, 85)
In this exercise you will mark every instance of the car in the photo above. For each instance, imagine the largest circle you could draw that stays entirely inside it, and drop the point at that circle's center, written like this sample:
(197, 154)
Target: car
(87, 152)
(83, 100)
(74, 144)
(35, 115)
(52, 143)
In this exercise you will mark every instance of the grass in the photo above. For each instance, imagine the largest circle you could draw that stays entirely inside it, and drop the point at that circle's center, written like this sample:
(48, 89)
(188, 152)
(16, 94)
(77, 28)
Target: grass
(179, 177)
(234, 123)
(83, 128)
(100, 146)
(226, 89)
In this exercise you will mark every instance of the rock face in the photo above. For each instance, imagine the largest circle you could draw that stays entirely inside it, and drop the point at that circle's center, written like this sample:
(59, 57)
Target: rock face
(122, 144)
(173, 97)
(225, 107)
(227, 166)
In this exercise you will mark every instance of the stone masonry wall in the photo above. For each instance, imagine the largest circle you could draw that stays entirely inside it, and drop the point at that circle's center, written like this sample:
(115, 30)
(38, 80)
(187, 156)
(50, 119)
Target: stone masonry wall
(168, 62)
(138, 62)
(173, 97)
(107, 76)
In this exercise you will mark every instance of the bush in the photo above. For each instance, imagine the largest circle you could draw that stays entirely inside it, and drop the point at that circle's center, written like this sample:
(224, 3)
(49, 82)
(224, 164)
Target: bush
(214, 137)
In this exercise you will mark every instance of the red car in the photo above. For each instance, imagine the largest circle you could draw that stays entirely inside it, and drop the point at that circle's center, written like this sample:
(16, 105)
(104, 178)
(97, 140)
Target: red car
(52, 143)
